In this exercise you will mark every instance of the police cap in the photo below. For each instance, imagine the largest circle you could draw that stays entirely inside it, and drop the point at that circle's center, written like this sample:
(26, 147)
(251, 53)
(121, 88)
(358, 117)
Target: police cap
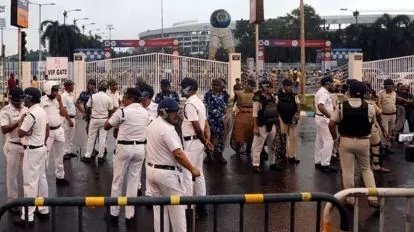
(32, 94)
(146, 91)
(16, 95)
(357, 88)
(287, 82)
(168, 105)
(388, 82)
(189, 82)
(165, 82)
(326, 80)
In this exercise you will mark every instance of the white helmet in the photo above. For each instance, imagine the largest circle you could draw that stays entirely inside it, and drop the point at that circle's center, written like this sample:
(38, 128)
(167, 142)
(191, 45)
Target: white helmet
(49, 85)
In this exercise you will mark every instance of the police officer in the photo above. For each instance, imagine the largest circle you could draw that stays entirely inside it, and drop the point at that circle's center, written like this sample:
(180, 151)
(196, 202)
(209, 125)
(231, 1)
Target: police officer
(68, 100)
(164, 160)
(265, 118)
(34, 131)
(387, 100)
(132, 121)
(166, 92)
(355, 118)
(10, 118)
(196, 137)
(324, 142)
(114, 93)
(101, 106)
(83, 100)
(146, 95)
(288, 106)
(53, 106)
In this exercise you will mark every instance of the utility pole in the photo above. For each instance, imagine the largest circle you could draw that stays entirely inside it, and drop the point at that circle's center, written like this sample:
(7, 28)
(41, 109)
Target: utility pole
(110, 27)
(302, 52)
(65, 14)
(162, 21)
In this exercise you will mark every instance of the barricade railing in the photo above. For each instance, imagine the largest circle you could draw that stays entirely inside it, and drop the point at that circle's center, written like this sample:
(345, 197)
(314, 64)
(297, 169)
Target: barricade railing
(381, 193)
(215, 200)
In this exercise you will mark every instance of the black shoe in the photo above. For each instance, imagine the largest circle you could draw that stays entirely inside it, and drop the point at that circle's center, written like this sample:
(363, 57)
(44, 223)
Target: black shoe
(140, 193)
(130, 221)
(19, 222)
(101, 160)
(318, 166)
(41, 216)
(374, 204)
(293, 161)
(85, 159)
(256, 169)
(327, 169)
(62, 182)
(221, 160)
(69, 156)
(274, 167)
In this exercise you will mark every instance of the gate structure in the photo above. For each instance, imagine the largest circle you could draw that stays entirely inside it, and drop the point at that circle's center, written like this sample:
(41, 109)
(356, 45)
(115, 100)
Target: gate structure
(157, 66)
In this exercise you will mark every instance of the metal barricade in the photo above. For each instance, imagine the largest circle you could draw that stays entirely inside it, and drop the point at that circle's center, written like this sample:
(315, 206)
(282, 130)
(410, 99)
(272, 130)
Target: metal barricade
(382, 193)
(215, 200)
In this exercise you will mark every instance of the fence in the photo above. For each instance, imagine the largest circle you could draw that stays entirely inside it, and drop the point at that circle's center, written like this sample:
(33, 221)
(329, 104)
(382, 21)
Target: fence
(399, 69)
(155, 67)
(241, 200)
(371, 192)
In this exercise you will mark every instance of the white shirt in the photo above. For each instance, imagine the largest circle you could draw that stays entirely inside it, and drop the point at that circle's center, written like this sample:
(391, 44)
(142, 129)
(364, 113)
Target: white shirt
(35, 124)
(323, 97)
(9, 115)
(194, 110)
(152, 109)
(133, 125)
(101, 103)
(68, 100)
(162, 140)
(115, 98)
(51, 108)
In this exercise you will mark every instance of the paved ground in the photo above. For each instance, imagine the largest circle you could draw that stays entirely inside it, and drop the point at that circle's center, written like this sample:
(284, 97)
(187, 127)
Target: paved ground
(236, 178)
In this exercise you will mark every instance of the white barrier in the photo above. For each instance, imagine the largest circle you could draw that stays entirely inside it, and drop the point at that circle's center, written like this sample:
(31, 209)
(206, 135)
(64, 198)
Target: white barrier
(382, 193)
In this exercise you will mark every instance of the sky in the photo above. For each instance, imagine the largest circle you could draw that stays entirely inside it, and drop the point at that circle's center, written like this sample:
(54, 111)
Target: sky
(130, 17)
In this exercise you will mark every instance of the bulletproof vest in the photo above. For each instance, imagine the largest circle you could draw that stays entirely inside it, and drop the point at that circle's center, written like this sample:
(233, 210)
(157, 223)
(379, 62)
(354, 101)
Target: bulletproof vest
(286, 106)
(267, 116)
(355, 121)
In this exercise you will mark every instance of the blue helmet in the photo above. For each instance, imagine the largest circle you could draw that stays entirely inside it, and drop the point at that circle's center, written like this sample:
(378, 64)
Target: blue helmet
(168, 105)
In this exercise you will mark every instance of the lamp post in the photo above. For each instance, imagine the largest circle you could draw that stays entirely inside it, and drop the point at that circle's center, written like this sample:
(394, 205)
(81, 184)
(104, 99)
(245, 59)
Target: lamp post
(65, 14)
(302, 51)
(110, 27)
(75, 20)
(162, 21)
(354, 13)
(84, 26)
(40, 31)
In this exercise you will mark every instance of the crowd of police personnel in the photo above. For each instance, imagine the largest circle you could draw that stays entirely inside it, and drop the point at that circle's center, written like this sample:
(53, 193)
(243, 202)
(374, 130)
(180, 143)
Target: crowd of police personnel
(171, 145)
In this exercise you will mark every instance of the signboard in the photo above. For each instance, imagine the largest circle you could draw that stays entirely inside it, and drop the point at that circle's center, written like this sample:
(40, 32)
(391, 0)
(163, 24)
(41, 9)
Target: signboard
(256, 11)
(19, 13)
(149, 43)
(288, 43)
(57, 67)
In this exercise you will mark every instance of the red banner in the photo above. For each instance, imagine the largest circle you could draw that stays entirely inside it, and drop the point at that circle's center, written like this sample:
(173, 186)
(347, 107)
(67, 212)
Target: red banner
(149, 43)
(288, 43)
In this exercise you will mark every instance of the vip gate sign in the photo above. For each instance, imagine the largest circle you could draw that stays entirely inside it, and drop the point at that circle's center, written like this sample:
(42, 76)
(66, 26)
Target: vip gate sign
(57, 67)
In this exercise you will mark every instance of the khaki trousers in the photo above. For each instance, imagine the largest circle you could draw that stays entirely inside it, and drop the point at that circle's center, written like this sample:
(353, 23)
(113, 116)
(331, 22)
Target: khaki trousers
(291, 134)
(258, 143)
(375, 142)
(388, 122)
(349, 150)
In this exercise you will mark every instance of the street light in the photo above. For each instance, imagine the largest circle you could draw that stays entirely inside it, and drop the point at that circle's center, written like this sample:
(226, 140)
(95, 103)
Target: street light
(40, 29)
(354, 13)
(110, 27)
(75, 20)
(162, 21)
(65, 14)
(83, 27)
(92, 30)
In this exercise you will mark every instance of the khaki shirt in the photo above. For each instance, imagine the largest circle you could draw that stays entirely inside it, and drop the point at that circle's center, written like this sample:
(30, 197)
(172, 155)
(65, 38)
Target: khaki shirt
(377, 112)
(337, 115)
(387, 102)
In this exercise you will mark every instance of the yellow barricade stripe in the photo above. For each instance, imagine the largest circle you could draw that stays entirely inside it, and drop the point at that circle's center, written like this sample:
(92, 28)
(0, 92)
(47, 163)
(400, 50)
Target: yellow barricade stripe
(372, 192)
(39, 201)
(94, 201)
(175, 200)
(254, 198)
(306, 196)
(122, 201)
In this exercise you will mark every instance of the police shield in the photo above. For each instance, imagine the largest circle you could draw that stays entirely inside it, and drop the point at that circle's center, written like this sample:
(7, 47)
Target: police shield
(400, 121)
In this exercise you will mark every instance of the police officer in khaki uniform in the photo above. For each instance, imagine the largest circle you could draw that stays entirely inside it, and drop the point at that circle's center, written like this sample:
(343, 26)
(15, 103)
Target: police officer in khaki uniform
(387, 101)
(355, 118)
(10, 118)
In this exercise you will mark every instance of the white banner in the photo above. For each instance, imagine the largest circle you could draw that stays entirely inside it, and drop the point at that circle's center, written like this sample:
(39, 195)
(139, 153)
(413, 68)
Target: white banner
(57, 67)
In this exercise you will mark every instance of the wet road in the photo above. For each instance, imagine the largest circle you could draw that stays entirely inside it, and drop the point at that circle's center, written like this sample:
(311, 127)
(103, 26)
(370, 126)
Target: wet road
(235, 178)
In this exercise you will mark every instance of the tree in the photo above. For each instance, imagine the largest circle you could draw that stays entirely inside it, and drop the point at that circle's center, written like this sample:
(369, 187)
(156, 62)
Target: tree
(62, 39)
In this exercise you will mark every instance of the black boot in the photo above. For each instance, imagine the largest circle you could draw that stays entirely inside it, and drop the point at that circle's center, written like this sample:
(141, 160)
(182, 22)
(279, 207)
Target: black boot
(220, 158)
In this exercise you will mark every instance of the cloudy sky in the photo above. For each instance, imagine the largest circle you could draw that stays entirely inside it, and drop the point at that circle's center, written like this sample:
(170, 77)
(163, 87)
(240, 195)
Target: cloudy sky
(130, 17)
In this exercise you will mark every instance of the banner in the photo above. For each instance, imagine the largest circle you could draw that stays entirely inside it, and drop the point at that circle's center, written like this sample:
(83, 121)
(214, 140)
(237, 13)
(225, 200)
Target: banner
(19, 16)
(57, 67)
(149, 43)
(288, 43)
